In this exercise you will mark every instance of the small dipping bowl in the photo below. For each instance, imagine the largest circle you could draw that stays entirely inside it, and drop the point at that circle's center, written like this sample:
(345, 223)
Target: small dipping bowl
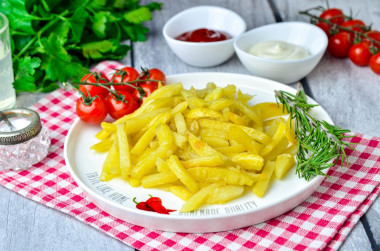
(203, 54)
(302, 34)
(24, 141)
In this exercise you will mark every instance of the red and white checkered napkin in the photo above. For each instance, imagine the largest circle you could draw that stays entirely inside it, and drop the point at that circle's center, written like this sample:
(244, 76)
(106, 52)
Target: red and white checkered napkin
(321, 222)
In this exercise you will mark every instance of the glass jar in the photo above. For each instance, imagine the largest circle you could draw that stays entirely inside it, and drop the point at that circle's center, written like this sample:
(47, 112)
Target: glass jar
(7, 92)
(24, 141)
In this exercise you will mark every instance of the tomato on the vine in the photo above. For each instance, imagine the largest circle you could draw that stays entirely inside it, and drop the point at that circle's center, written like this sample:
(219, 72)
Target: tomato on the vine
(92, 110)
(334, 15)
(374, 63)
(351, 37)
(154, 74)
(93, 89)
(125, 74)
(354, 24)
(148, 89)
(121, 105)
(360, 53)
(340, 44)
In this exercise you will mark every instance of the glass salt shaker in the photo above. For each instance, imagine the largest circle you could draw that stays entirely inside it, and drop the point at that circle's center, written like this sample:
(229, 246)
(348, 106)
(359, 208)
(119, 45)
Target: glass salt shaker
(24, 141)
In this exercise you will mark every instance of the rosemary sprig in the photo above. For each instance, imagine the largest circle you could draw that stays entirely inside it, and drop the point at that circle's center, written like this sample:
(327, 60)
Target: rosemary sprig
(318, 141)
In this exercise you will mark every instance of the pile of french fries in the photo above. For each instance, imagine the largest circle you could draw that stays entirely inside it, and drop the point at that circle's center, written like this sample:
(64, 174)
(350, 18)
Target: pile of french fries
(206, 146)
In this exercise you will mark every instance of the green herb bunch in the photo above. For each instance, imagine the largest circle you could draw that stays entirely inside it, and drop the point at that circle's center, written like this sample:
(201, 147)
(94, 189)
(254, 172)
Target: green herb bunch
(56, 40)
(318, 141)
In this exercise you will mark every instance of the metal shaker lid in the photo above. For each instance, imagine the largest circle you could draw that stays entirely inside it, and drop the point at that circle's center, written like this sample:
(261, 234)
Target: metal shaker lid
(19, 134)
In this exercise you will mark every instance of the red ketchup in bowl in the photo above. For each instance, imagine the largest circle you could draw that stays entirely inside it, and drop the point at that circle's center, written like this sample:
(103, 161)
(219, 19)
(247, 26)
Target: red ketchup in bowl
(203, 35)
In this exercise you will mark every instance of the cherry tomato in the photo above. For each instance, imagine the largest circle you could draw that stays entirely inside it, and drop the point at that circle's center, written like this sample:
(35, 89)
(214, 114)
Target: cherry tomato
(374, 34)
(334, 15)
(325, 27)
(354, 24)
(360, 53)
(155, 74)
(92, 112)
(148, 88)
(92, 89)
(118, 108)
(374, 63)
(130, 75)
(340, 44)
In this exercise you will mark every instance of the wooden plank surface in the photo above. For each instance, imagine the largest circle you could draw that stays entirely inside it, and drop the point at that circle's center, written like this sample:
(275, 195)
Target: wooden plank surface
(350, 94)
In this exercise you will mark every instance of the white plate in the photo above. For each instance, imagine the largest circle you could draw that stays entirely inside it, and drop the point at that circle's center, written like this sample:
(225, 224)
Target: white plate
(115, 196)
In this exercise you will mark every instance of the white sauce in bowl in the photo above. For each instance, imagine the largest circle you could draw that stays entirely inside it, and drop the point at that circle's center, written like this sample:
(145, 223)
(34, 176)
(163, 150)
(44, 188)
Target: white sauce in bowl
(278, 50)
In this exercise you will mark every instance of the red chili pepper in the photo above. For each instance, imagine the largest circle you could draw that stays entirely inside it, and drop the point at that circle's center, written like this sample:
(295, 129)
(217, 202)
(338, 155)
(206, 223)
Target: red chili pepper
(142, 205)
(154, 200)
(153, 204)
(156, 204)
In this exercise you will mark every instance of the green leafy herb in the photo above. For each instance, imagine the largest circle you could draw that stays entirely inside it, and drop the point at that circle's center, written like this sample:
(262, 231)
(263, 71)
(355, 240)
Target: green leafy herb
(57, 40)
(24, 79)
(318, 141)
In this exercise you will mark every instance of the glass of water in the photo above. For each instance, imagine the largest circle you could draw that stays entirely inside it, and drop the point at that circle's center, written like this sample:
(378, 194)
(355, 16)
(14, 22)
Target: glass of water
(7, 93)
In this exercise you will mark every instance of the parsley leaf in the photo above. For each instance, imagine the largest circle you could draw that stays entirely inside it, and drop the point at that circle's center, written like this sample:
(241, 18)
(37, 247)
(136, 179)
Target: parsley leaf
(95, 50)
(19, 18)
(138, 16)
(77, 23)
(57, 62)
(24, 80)
(99, 25)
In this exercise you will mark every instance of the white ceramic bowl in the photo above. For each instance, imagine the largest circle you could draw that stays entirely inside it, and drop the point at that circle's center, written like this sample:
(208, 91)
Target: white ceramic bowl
(210, 17)
(306, 35)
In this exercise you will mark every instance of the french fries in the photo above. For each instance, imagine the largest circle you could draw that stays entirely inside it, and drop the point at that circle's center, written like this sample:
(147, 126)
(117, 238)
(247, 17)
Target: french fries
(205, 146)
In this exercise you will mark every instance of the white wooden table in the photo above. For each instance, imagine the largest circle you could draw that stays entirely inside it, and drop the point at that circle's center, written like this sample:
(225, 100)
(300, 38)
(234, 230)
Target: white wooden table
(350, 94)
